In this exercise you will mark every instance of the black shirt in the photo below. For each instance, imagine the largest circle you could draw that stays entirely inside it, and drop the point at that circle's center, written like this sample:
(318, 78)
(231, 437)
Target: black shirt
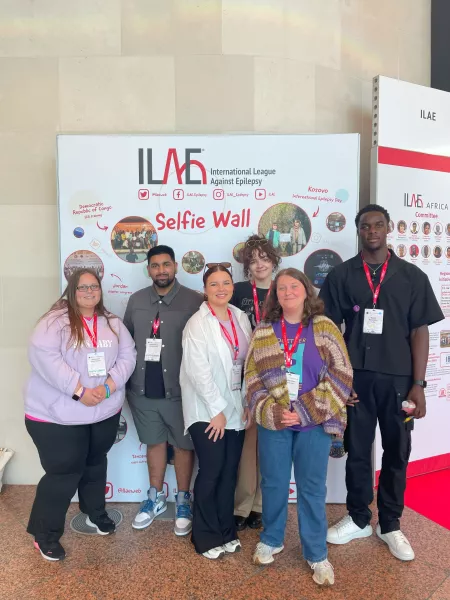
(243, 299)
(408, 301)
(154, 380)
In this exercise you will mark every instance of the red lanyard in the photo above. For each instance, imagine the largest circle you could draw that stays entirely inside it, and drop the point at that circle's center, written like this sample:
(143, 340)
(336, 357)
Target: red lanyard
(234, 346)
(155, 327)
(92, 336)
(256, 302)
(375, 292)
(288, 352)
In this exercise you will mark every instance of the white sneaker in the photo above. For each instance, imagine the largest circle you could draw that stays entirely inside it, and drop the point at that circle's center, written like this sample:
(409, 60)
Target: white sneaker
(154, 505)
(347, 530)
(234, 546)
(264, 554)
(323, 572)
(214, 553)
(398, 544)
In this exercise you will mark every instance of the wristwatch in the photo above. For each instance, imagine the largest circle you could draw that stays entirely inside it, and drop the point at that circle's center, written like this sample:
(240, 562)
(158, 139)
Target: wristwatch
(78, 393)
(420, 382)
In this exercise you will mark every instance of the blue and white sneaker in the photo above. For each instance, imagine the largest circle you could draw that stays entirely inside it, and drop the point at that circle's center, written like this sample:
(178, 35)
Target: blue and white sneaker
(154, 505)
(183, 519)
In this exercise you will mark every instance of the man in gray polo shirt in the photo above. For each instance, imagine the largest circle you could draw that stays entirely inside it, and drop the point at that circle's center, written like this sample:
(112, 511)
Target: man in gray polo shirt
(155, 317)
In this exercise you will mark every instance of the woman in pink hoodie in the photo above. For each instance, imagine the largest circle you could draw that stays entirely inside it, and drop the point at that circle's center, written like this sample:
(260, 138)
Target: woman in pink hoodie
(81, 358)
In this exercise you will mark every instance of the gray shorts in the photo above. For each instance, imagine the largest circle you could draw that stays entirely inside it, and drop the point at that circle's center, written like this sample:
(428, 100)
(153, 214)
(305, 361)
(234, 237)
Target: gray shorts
(159, 421)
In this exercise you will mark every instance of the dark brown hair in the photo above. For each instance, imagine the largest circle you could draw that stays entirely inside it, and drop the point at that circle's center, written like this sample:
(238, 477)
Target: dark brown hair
(215, 269)
(313, 305)
(261, 245)
(68, 301)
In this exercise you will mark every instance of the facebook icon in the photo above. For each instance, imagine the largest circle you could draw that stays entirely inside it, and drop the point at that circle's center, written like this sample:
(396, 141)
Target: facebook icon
(178, 194)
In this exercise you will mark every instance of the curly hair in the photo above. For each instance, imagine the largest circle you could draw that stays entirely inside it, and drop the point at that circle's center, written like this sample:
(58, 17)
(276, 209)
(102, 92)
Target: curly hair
(261, 245)
(313, 305)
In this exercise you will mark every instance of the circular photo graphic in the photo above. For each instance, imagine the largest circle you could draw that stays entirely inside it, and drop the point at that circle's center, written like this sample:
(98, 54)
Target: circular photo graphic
(336, 222)
(193, 262)
(237, 252)
(402, 227)
(447, 229)
(401, 250)
(78, 232)
(83, 259)
(414, 251)
(287, 226)
(426, 228)
(132, 238)
(437, 252)
(414, 228)
(438, 229)
(426, 251)
(391, 226)
(121, 430)
(447, 253)
(319, 264)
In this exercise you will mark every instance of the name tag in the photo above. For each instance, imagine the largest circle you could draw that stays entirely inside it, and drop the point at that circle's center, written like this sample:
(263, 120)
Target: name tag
(293, 383)
(373, 321)
(96, 364)
(236, 376)
(153, 349)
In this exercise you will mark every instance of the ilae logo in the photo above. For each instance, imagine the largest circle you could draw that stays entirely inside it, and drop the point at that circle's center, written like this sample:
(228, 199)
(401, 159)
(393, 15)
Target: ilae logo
(415, 200)
(145, 162)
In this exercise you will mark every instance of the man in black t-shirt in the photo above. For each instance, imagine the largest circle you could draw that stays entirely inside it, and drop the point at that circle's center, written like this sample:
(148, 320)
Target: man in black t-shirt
(387, 305)
(260, 260)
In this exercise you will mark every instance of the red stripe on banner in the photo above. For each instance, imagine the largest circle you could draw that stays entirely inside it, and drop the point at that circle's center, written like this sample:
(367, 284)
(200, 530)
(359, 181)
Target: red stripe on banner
(423, 466)
(413, 160)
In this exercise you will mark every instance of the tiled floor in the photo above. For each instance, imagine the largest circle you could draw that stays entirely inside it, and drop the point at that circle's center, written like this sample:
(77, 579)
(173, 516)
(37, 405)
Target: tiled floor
(155, 565)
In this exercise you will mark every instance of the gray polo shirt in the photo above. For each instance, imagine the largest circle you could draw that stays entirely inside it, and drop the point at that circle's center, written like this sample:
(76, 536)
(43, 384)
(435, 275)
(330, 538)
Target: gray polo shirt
(175, 309)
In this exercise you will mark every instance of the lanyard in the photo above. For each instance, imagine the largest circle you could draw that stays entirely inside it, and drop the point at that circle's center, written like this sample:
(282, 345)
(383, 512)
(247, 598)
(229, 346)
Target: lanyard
(256, 302)
(155, 325)
(92, 336)
(288, 352)
(375, 292)
(234, 346)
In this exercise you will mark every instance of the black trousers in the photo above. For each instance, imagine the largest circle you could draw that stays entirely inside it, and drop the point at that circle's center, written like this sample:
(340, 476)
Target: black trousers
(73, 457)
(213, 514)
(380, 398)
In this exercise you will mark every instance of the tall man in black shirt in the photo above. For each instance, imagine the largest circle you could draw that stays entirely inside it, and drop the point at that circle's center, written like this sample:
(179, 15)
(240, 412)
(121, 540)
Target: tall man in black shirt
(387, 305)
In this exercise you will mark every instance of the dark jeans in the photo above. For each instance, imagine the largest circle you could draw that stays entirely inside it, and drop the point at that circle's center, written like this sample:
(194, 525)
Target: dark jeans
(73, 457)
(380, 398)
(213, 515)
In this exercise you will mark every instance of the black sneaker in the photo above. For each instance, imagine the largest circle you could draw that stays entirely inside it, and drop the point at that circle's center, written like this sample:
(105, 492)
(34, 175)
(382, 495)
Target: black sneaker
(254, 520)
(241, 522)
(51, 550)
(103, 524)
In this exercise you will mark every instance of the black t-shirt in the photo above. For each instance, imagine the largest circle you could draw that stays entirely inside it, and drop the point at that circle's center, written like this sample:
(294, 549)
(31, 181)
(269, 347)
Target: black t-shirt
(243, 299)
(154, 380)
(132, 257)
(408, 301)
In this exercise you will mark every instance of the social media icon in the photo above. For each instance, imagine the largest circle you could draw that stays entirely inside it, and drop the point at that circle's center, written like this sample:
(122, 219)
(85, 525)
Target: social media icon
(218, 194)
(260, 194)
(178, 194)
(143, 194)
(95, 244)
(109, 491)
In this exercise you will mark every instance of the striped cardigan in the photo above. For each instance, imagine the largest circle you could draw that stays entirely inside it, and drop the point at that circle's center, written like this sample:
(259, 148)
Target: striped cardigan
(267, 391)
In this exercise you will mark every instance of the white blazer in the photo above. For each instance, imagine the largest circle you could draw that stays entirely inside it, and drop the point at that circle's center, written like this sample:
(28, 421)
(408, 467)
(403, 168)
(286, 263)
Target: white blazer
(205, 375)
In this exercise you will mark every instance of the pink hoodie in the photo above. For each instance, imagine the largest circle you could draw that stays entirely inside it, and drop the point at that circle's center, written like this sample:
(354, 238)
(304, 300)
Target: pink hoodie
(57, 368)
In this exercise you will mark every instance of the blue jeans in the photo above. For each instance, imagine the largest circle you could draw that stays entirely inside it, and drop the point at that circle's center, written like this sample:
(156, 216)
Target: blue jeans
(309, 450)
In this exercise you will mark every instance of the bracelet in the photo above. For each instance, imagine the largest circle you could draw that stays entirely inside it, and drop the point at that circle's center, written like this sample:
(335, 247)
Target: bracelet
(108, 390)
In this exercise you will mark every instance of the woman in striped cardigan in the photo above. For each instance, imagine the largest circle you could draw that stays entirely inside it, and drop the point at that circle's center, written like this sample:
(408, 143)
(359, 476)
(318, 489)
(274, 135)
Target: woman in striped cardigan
(299, 377)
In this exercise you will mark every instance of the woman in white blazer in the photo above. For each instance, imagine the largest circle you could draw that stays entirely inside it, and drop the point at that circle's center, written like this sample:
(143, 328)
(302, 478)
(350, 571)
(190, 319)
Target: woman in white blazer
(215, 343)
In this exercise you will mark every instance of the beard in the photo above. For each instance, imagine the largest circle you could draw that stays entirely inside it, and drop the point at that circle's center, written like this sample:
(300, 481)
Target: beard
(165, 283)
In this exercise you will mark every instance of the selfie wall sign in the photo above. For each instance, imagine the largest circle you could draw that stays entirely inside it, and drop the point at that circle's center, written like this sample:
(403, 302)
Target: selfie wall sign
(120, 195)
